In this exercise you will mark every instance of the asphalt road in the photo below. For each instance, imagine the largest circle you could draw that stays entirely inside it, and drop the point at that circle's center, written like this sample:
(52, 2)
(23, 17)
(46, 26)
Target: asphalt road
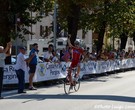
(113, 92)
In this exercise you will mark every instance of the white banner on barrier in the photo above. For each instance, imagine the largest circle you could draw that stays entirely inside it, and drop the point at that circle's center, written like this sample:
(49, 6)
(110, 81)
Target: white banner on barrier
(49, 71)
(10, 75)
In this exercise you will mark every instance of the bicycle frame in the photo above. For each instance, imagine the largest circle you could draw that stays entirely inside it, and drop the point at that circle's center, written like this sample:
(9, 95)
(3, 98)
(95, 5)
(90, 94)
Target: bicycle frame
(67, 84)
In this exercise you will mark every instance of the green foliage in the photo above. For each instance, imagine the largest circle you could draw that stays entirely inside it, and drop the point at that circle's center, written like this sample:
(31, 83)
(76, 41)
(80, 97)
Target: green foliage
(22, 9)
(105, 17)
(122, 17)
(65, 10)
(119, 15)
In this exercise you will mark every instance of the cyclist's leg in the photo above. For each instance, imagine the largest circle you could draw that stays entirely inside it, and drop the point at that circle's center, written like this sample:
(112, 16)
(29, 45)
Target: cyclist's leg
(70, 75)
(73, 65)
(78, 70)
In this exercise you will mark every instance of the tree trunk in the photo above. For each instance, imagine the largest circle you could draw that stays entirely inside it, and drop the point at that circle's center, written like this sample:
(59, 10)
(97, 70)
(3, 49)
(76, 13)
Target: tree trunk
(4, 25)
(103, 28)
(123, 38)
(134, 38)
(101, 37)
(73, 21)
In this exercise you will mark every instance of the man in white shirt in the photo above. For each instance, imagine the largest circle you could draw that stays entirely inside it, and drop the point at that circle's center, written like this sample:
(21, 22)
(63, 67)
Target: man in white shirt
(20, 68)
(48, 55)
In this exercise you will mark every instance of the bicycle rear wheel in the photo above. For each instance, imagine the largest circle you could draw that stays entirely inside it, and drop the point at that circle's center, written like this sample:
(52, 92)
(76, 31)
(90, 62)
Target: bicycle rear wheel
(77, 85)
(66, 86)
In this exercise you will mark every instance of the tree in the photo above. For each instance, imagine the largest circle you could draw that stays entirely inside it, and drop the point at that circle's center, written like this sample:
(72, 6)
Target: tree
(123, 38)
(70, 11)
(103, 26)
(114, 17)
(12, 9)
(4, 22)
(122, 20)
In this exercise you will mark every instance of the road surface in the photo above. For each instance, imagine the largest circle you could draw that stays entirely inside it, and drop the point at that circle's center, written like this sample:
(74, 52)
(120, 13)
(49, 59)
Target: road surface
(113, 92)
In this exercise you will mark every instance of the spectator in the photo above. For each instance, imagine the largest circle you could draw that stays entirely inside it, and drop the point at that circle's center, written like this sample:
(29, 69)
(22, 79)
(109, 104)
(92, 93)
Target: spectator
(122, 54)
(104, 55)
(115, 52)
(55, 58)
(131, 54)
(3, 53)
(20, 68)
(48, 55)
(92, 55)
(33, 57)
(88, 49)
(111, 55)
(67, 54)
(61, 54)
(86, 56)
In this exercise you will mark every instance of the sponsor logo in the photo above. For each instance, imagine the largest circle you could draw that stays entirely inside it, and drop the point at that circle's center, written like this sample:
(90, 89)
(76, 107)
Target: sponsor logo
(64, 68)
(42, 69)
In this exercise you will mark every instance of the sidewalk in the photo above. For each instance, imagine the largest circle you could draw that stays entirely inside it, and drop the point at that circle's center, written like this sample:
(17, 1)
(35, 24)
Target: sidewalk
(7, 93)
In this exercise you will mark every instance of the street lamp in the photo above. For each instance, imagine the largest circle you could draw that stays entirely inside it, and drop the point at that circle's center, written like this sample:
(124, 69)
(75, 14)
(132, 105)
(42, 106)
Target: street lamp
(17, 20)
(113, 42)
(55, 24)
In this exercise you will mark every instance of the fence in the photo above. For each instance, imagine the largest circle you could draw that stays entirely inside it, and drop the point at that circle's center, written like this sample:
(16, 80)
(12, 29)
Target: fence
(50, 71)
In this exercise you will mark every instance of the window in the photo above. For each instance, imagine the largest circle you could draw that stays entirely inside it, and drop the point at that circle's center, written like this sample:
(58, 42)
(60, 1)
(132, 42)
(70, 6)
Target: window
(31, 45)
(41, 30)
(42, 13)
(45, 49)
(60, 43)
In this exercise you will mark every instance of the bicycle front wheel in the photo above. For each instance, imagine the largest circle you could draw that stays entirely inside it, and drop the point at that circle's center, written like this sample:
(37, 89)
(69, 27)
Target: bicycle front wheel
(66, 85)
(77, 85)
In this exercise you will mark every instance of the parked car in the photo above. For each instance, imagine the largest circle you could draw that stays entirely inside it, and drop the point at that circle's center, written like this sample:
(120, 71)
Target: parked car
(13, 60)
(39, 60)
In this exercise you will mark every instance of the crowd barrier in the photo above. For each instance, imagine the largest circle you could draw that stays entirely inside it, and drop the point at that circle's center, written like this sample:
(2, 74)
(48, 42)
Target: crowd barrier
(50, 71)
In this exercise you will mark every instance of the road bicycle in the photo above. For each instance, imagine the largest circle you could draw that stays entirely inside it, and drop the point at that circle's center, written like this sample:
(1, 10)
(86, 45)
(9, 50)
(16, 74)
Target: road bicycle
(67, 85)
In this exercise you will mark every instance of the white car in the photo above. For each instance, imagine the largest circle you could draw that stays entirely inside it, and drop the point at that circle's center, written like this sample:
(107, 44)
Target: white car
(13, 60)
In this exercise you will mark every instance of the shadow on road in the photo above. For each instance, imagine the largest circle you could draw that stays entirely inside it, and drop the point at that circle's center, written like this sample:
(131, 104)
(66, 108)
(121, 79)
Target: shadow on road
(101, 78)
(40, 97)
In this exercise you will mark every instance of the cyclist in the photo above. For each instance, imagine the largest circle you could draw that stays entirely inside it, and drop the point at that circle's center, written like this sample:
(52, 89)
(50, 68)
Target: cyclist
(76, 53)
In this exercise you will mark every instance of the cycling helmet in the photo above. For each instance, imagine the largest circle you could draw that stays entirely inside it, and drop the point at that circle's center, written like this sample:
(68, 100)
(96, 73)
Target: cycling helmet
(76, 42)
